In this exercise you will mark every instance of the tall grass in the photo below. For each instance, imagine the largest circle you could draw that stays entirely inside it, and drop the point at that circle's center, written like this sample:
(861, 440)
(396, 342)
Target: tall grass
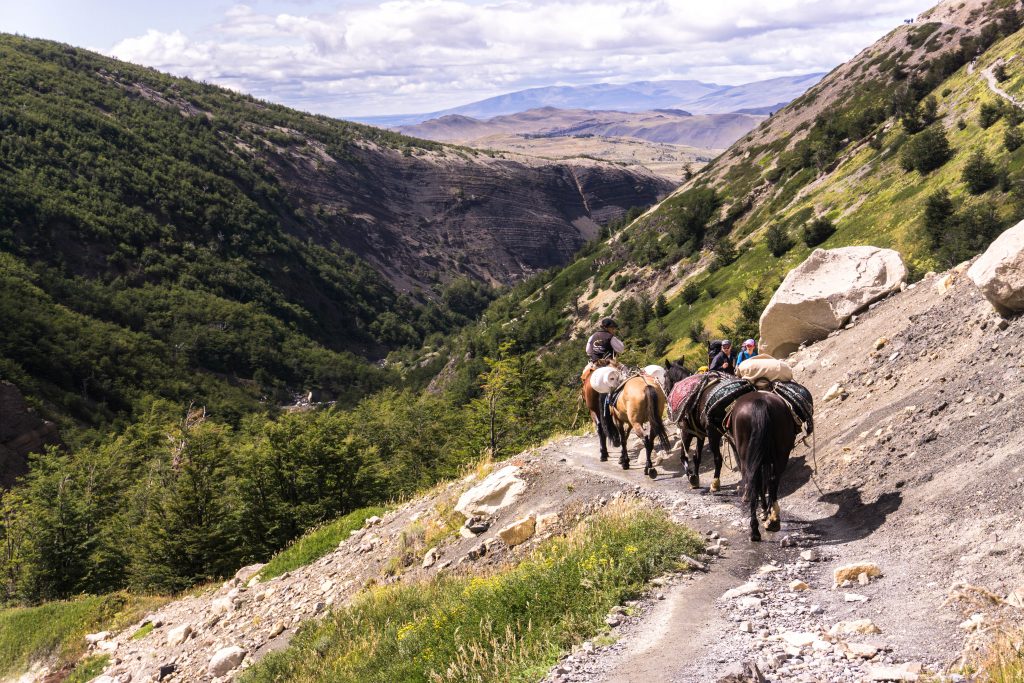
(1004, 660)
(57, 629)
(508, 626)
(317, 542)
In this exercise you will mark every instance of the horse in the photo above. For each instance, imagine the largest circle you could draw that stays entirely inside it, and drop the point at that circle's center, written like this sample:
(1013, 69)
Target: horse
(642, 399)
(592, 399)
(764, 432)
(688, 432)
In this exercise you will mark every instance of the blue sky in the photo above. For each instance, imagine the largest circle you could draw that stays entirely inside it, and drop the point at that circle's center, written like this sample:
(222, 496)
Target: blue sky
(355, 58)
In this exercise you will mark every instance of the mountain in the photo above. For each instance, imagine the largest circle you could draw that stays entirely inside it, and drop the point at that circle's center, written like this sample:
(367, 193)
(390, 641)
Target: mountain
(674, 126)
(162, 237)
(695, 96)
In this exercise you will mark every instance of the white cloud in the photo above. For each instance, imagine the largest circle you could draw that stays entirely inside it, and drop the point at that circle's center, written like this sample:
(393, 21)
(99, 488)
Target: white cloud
(423, 55)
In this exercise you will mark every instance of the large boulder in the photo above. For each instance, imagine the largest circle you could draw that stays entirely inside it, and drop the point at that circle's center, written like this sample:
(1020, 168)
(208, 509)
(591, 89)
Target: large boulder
(819, 296)
(999, 272)
(497, 491)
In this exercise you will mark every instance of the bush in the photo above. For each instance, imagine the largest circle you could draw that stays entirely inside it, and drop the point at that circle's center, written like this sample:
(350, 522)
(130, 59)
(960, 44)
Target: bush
(661, 307)
(938, 209)
(926, 151)
(989, 113)
(778, 240)
(690, 293)
(1000, 73)
(725, 252)
(979, 174)
(1013, 139)
(817, 231)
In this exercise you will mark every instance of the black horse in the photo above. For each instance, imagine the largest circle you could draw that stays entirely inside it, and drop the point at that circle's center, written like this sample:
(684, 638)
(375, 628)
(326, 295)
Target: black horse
(764, 432)
(690, 431)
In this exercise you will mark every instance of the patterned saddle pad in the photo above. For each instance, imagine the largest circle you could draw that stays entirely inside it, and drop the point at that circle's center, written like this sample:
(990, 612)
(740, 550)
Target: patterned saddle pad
(721, 397)
(682, 395)
(800, 400)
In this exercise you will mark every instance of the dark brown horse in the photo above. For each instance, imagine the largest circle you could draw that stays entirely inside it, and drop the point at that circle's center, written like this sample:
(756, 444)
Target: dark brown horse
(689, 431)
(764, 432)
(592, 399)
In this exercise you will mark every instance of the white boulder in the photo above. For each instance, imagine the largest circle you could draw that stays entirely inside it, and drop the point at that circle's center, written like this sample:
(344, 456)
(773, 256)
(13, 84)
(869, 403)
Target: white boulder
(225, 659)
(500, 489)
(819, 296)
(999, 272)
(179, 635)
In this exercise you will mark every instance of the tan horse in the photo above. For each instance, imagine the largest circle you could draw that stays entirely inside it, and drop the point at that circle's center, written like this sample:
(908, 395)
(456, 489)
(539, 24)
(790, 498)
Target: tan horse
(641, 400)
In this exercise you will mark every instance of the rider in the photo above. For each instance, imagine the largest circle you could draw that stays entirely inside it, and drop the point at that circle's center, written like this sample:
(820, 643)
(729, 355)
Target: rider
(749, 351)
(725, 360)
(603, 345)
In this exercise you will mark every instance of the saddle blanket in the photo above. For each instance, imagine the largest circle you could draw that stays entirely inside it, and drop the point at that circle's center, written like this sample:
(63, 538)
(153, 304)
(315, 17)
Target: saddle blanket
(682, 392)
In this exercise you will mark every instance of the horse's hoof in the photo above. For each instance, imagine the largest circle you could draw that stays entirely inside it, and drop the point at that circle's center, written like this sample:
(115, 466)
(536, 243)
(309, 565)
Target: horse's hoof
(625, 464)
(694, 481)
(652, 473)
(773, 525)
(755, 537)
(604, 457)
(716, 485)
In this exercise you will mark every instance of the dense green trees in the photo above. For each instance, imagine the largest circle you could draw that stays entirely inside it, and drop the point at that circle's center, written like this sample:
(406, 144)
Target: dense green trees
(926, 151)
(817, 231)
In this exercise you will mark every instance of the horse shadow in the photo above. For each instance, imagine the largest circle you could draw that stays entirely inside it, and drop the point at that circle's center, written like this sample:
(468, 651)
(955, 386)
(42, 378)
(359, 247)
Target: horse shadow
(853, 518)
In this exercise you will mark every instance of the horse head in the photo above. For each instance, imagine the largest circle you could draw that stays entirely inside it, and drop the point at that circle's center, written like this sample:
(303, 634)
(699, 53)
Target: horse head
(675, 372)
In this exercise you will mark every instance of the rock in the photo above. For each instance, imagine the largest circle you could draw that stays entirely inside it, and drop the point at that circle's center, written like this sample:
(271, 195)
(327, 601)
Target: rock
(845, 628)
(880, 342)
(430, 558)
(746, 627)
(819, 296)
(975, 622)
(225, 659)
(477, 525)
(746, 589)
(246, 573)
(165, 670)
(519, 531)
(93, 638)
(107, 646)
(546, 522)
(798, 586)
(811, 555)
(178, 635)
(1016, 598)
(861, 650)
(863, 578)
(692, 563)
(748, 602)
(854, 597)
(834, 391)
(222, 605)
(372, 521)
(798, 638)
(499, 490)
(850, 572)
(277, 629)
(999, 272)
(888, 672)
(613, 620)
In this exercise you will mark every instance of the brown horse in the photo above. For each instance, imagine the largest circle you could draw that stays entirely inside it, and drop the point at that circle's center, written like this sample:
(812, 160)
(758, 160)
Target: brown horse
(640, 400)
(764, 432)
(592, 399)
(689, 430)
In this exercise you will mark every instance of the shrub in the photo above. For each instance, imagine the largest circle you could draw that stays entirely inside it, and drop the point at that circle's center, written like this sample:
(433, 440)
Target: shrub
(725, 252)
(778, 240)
(926, 151)
(661, 307)
(1013, 139)
(979, 174)
(989, 113)
(817, 231)
(1000, 73)
(961, 124)
(690, 293)
(938, 210)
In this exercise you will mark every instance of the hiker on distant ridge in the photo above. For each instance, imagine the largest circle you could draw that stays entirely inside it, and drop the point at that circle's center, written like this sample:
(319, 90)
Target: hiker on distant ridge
(603, 345)
(725, 360)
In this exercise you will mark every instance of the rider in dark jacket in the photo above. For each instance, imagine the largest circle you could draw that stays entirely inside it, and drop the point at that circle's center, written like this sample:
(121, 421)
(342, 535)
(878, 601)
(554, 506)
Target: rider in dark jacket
(725, 360)
(603, 344)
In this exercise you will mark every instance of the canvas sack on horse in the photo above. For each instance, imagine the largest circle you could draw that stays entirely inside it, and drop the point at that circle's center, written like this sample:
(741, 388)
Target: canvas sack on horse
(605, 380)
(765, 368)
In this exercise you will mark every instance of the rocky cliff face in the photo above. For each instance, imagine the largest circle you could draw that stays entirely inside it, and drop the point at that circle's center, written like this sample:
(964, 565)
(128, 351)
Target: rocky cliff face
(437, 214)
(22, 431)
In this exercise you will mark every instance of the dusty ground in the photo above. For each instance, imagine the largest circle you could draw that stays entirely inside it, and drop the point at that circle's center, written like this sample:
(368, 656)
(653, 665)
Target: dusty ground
(918, 470)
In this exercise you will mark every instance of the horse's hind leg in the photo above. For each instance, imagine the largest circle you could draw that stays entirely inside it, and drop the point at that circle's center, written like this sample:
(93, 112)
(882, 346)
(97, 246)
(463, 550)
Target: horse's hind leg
(603, 439)
(716, 450)
(649, 447)
(624, 457)
(755, 533)
(695, 474)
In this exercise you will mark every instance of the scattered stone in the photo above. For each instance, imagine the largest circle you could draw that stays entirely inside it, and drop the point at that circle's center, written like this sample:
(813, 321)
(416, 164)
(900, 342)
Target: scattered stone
(225, 659)
(430, 558)
(93, 638)
(748, 602)
(222, 605)
(165, 670)
(1016, 598)
(850, 572)
(277, 629)
(855, 597)
(746, 589)
(477, 525)
(613, 620)
(692, 563)
(373, 521)
(245, 574)
(178, 635)
(845, 628)
(798, 638)
(811, 555)
(835, 391)
(973, 623)
(746, 627)
(499, 490)
(519, 531)
(861, 650)
(863, 578)
(798, 586)
(546, 522)
(880, 342)
(888, 672)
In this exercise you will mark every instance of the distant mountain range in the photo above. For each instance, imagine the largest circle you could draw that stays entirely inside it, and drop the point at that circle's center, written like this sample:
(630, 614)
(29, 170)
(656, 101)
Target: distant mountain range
(758, 97)
(673, 126)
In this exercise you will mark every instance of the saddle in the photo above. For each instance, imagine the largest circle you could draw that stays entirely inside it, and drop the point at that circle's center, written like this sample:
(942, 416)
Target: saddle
(720, 400)
(722, 392)
(800, 402)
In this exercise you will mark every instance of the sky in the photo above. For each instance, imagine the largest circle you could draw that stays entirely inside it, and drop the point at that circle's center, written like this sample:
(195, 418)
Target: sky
(352, 58)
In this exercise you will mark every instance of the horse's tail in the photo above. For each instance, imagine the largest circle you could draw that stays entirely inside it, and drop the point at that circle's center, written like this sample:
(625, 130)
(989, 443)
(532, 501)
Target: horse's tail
(761, 457)
(657, 426)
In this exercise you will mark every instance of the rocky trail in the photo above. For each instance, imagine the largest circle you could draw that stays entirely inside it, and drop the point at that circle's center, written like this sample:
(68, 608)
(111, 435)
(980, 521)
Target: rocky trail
(917, 495)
